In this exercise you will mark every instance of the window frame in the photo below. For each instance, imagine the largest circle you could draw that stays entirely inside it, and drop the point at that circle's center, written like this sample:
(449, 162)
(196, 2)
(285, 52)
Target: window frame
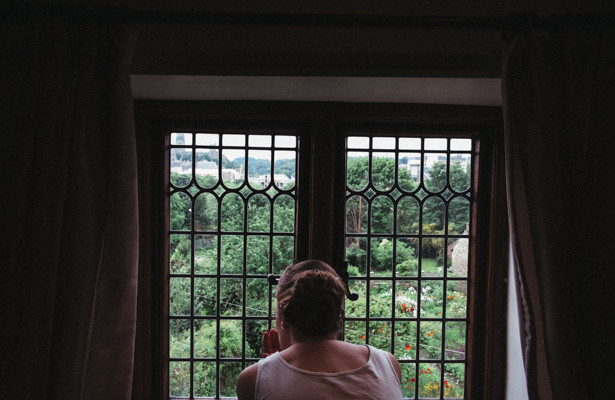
(320, 224)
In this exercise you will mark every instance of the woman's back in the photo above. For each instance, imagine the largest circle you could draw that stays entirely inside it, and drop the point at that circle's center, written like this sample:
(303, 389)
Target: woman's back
(326, 355)
(336, 371)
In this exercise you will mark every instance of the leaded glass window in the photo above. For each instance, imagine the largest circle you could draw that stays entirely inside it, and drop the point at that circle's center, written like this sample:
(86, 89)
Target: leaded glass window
(231, 219)
(408, 205)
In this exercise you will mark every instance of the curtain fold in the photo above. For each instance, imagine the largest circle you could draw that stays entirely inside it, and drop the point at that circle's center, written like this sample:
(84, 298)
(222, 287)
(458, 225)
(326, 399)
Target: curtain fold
(559, 113)
(70, 208)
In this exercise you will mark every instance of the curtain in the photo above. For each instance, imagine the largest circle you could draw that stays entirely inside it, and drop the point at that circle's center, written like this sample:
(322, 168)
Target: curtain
(69, 214)
(559, 113)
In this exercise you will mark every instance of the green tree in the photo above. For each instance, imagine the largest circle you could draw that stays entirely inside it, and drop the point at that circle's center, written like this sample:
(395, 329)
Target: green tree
(458, 211)
(286, 167)
(436, 177)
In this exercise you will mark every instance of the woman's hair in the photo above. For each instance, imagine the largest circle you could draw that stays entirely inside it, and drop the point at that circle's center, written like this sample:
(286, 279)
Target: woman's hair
(311, 298)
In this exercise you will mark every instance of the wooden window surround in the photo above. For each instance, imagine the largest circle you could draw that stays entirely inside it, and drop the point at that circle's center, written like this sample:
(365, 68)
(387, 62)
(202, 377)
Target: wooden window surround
(321, 201)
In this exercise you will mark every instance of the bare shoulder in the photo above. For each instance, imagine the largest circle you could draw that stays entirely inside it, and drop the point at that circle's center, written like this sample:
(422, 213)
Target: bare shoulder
(396, 365)
(246, 383)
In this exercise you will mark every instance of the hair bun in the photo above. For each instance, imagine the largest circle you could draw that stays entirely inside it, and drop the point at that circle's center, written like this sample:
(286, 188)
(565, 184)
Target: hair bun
(314, 300)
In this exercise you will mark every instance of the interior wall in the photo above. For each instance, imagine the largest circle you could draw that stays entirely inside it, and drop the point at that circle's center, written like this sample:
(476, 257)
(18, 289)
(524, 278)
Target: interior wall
(335, 51)
(253, 49)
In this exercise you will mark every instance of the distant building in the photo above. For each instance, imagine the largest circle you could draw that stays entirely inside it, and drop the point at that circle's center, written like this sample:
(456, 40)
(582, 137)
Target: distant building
(279, 180)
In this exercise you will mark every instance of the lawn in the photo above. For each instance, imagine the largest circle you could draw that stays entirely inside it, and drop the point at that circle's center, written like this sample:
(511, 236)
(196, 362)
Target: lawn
(430, 266)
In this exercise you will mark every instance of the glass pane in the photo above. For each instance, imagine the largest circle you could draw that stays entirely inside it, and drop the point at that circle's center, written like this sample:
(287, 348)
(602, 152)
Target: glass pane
(207, 139)
(458, 252)
(231, 297)
(357, 170)
(181, 139)
(380, 295)
(356, 255)
(206, 169)
(230, 338)
(259, 211)
(205, 254)
(411, 143)
(461, 144)
(382, 215)
(407, 216)
(204, 379)
(180, 212)
(380, 334)
(435, 144)
(219, 259)
(454, 374)
(356, 215)
(357, 308)
(409, 171)
(358, 142)
(257, 295)
(431, 339)
(284, 169)
(229, 372)
(286, 141)
(383, 143)
(419, 203)
(233, 174)
(283, 253)
(205, 338)
(179, 379)
(179, 296)
(456, 299)
(408, 380)
(383, 171)
(284, 214)
(460, 172)
(434, 172)
(179, 338)
(205, 296)
(231, 214)
(233, 140)
(257, 255)
(382, 256)
(355, 332)
(405, 340)
(179, 254)
(406, 260)
(459, 216)
(231, 257)
(181, 167)
(206, 212)
(259, 140)
(254, 337)
(433, 215)
(431, 299)
(406, 299)
(259, 168)
(455, 332)
(432, 262)
(429, 381)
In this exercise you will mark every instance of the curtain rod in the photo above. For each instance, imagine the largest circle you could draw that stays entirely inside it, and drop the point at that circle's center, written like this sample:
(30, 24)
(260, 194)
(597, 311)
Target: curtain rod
(513, 22)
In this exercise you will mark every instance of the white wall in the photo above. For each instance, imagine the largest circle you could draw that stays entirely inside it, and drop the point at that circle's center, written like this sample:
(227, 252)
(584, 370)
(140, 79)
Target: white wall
(463, 91)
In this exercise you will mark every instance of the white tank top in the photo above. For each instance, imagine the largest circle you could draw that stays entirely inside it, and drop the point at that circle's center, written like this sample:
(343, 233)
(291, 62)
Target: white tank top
(278, 380)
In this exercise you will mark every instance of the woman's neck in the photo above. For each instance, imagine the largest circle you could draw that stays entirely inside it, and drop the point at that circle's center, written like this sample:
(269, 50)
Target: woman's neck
(311, 340)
